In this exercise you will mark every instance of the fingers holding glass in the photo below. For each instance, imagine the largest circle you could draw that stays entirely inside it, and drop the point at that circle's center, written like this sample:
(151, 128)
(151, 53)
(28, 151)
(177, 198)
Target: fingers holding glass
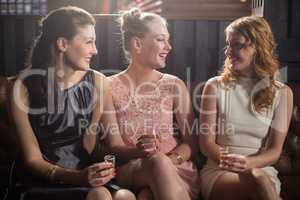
(223, 152)
(148, 144)
(100, 173)
(110, 159)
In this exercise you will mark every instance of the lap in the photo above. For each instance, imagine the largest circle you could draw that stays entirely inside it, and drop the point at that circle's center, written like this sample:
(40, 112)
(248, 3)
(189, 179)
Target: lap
(138, 173)
(228, 185)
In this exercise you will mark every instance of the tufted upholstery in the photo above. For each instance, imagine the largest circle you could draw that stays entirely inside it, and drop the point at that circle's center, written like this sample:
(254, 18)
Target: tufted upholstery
(7, 136)
(288, 164)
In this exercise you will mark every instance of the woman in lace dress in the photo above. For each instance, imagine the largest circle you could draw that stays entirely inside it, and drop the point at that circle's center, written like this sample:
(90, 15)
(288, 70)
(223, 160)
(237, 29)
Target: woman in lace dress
(145, 101)
(248, 111)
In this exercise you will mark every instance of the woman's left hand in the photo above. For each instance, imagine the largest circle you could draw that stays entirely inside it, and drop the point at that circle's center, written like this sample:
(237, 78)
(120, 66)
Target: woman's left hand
(174, 159)
(235, 163)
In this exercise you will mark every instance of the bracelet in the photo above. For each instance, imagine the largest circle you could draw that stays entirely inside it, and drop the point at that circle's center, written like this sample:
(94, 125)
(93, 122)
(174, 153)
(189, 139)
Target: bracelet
(51, 172)
(178, 157)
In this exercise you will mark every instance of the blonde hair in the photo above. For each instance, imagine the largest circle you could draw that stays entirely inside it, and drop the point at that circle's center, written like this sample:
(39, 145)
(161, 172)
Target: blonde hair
(258, 33)
(134, 23)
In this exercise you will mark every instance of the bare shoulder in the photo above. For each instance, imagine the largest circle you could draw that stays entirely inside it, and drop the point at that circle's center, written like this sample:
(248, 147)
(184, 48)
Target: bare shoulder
(286, 92)
(120, 75)
(101, 81)
(180, 82)
(211, 85)
(213, 81)
(19, 88)
(99, 76)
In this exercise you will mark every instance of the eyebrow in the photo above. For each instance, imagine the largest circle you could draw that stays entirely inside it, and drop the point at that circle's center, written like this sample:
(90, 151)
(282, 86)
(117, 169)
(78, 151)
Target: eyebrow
(164, 35)
(89, 38)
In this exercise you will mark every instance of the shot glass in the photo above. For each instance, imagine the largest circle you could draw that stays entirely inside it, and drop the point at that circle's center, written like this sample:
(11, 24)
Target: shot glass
(110, 158)
(224, 150)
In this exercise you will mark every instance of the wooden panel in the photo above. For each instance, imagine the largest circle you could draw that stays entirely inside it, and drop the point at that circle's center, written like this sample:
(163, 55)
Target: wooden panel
(19, 43)
(196, 55)
(295, 19)
(2, 66)
(101, 43)
(183, 52)
(110, 57)
(289, 50)
(293, 71)
(93, 6)
(201, 69)
(283, 17)
(9, 46)
(221, 53)
(205, 9)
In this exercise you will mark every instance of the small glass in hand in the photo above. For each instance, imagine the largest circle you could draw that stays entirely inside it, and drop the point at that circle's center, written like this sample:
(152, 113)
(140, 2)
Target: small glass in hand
(110, 159)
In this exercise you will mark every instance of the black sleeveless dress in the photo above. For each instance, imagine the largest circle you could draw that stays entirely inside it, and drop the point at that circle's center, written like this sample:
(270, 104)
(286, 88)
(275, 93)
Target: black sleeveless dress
(60, 121)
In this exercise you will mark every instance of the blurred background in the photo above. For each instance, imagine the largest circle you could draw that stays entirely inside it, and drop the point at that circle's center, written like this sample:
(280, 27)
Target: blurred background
(196, 28)
(197, 37)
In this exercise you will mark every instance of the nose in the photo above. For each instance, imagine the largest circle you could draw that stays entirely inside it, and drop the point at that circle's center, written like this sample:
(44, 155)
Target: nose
(94, 49)
(168, 46)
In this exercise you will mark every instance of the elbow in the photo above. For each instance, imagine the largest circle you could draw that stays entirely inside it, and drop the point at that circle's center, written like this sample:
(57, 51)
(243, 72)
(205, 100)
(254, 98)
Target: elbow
(276, 157)
(203, 146)
(114, 147)
(32, 162)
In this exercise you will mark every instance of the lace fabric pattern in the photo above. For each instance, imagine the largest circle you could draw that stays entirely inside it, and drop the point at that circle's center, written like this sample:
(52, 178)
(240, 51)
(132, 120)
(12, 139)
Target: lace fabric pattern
(145, 110)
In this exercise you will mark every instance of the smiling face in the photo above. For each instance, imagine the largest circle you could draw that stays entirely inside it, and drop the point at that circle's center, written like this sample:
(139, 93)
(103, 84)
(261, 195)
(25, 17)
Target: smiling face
(155, 45)
(240, 54)
(81, 48)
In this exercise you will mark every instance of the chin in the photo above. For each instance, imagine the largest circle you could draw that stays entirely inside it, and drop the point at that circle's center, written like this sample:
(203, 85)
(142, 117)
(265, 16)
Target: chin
(84, 67)
(236, 67)
(161, 65)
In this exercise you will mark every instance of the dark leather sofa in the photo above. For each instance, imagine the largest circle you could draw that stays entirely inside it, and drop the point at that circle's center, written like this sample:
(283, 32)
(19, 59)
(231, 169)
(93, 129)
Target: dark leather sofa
(288, 164)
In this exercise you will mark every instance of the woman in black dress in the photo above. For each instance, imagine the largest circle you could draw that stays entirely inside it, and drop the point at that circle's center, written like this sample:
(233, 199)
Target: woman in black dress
(57, 104)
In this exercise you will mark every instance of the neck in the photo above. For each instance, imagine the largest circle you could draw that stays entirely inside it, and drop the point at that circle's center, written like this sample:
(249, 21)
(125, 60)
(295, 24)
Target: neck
(66, 76)
(64, 73)
(247, 74)
(140, 73)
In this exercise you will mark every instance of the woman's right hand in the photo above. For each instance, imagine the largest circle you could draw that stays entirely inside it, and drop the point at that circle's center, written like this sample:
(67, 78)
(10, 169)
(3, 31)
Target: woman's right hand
(98, 174)
(148, 144)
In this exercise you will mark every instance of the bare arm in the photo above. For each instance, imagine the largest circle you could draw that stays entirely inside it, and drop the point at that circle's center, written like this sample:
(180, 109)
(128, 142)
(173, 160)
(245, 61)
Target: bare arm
(28, 143)
(112, 133)
(208, 121)
(277, 132)
(185, 119)
(32, 155)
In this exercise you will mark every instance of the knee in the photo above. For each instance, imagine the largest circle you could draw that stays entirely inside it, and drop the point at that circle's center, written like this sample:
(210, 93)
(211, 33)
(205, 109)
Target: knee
(259, 176)
(124, 195)
(145, 194)
(159, 162)
(99, 193)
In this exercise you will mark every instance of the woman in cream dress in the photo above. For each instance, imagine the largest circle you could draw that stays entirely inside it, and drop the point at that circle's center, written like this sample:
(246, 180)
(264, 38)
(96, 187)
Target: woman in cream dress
(248, 111)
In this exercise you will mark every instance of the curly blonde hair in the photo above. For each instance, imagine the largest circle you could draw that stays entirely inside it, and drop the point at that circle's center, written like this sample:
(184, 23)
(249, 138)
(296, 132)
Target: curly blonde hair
(258, 33)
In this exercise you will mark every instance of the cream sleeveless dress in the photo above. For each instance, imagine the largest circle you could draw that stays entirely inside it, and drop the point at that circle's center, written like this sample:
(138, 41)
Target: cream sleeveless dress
(239, 127)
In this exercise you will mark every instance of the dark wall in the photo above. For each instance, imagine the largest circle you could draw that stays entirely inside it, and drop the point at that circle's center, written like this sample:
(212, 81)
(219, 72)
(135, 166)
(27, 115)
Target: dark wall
(93, 6)
(284, 17)
(196, 55)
